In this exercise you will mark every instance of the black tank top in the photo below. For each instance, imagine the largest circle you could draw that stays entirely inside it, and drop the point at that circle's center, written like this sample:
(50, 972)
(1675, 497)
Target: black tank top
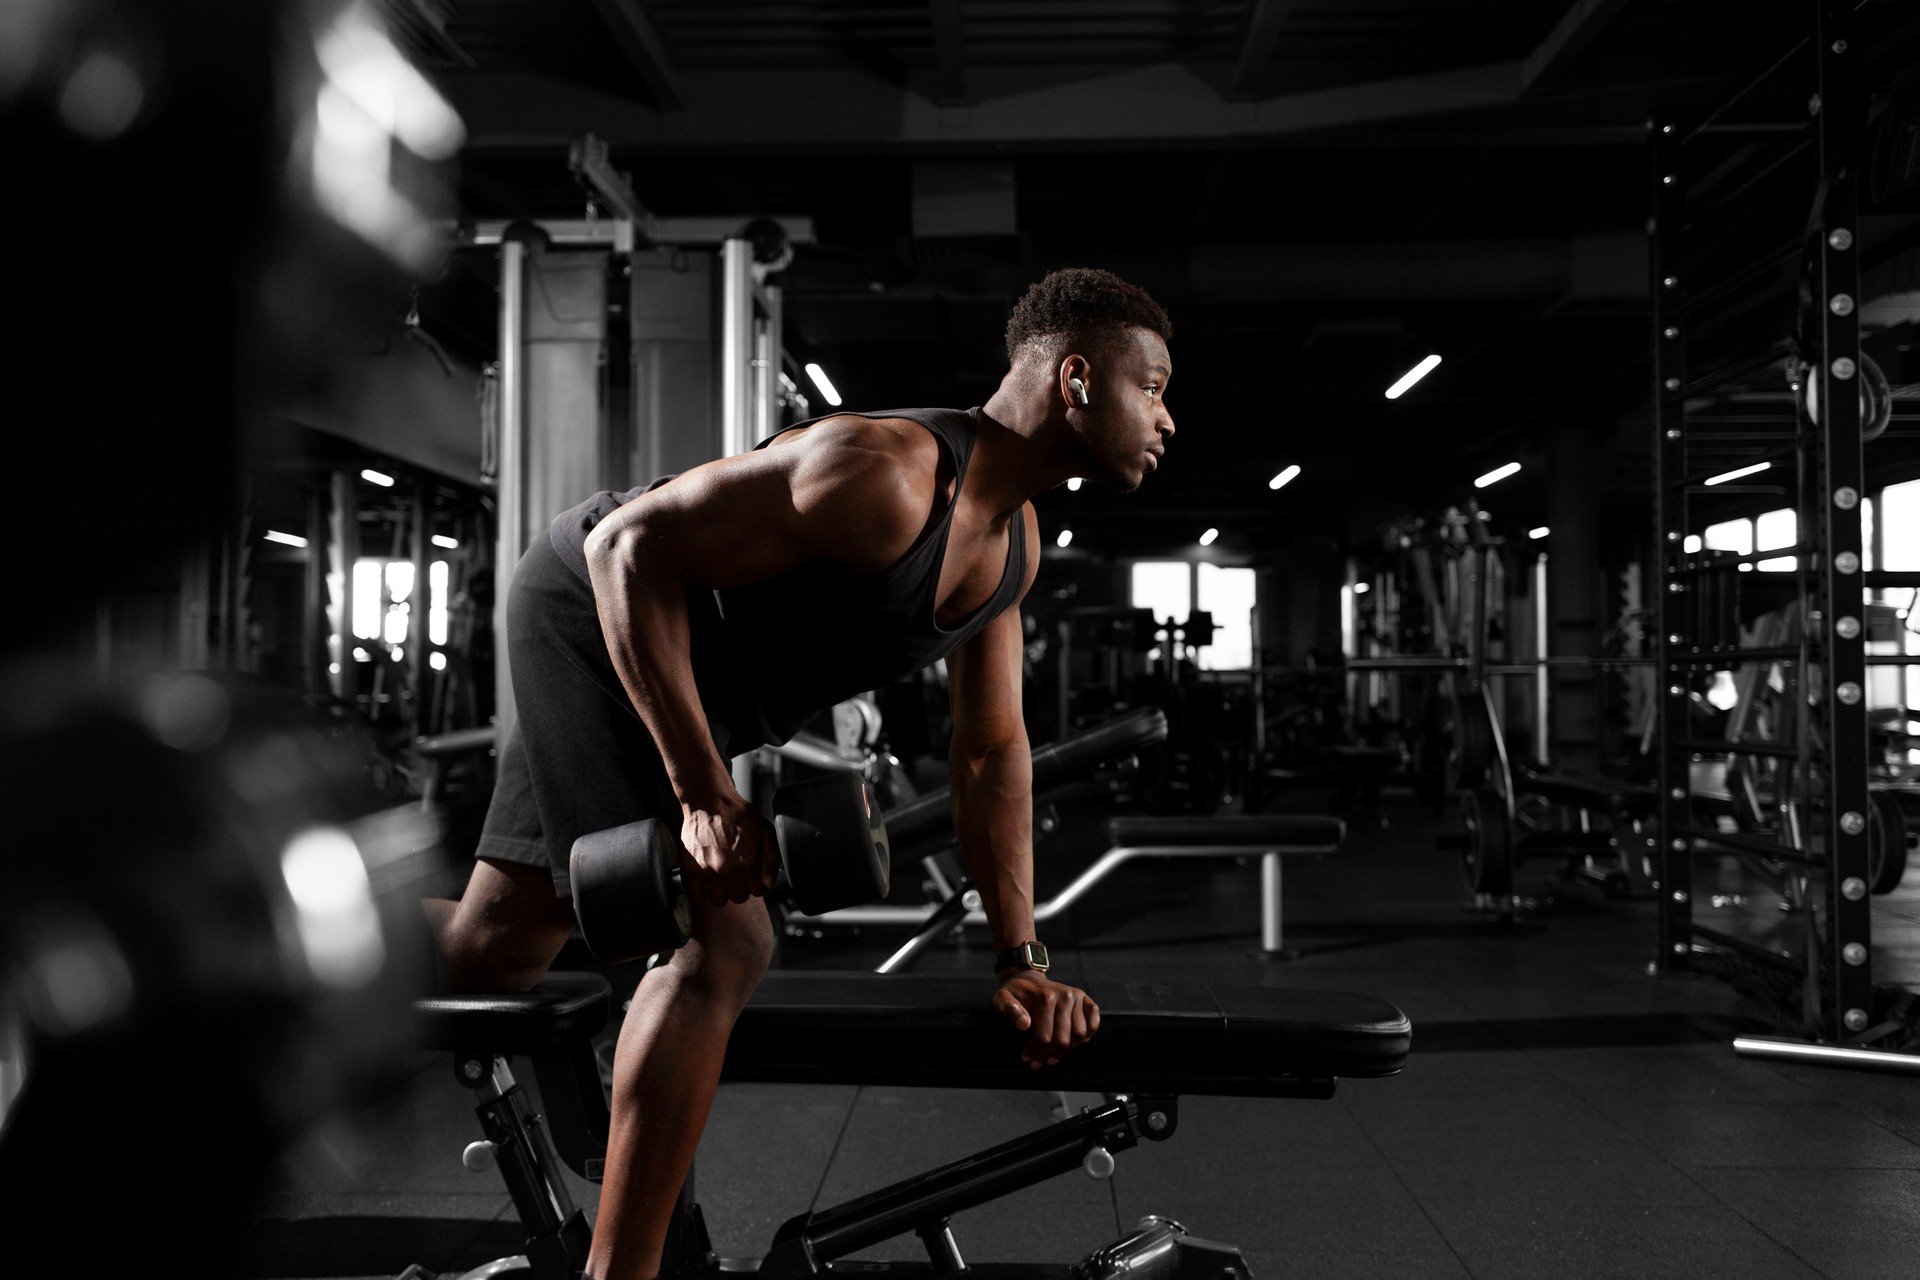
(770, 656)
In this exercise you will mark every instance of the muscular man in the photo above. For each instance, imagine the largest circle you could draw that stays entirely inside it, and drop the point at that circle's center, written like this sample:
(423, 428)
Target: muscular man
(659, 631)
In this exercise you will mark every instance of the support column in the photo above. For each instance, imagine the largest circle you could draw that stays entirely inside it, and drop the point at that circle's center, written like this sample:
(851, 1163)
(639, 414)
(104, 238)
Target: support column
(1573, 572)
(736, 346)
(512, 531)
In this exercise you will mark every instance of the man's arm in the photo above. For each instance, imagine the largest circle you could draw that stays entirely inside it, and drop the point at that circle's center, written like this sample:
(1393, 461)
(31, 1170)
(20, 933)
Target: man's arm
(856, 491)
(991, 765)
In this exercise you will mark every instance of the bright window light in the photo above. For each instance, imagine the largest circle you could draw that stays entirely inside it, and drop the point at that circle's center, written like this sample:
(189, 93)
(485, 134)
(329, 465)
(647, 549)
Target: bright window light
(1229, 594)
(1206, 539)
(1073, 485)
(1164, 586)
(1065, 538)
(378, 477)
(1537, 534)
(1725, 476)
(1731, 535)
(825, 384)
(437, 603)
(1693, 542)
(1496, 475)
(442, 540)
(285, 539)
(1283, 477)
(1412, 376)
(437, 660)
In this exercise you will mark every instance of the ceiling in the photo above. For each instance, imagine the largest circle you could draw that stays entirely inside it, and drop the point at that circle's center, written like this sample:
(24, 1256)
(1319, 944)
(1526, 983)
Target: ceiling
(1321, 192)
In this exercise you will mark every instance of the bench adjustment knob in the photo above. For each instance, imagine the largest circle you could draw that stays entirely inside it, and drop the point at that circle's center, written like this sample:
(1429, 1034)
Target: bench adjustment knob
(479, 1156)
(1098, 1163)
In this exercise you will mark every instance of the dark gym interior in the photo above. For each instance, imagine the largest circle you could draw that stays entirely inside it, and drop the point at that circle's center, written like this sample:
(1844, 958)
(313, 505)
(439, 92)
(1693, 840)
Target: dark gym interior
(1473, 774)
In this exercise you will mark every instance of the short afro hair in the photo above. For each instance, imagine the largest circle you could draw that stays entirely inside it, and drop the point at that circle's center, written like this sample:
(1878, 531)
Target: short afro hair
(1083, 307)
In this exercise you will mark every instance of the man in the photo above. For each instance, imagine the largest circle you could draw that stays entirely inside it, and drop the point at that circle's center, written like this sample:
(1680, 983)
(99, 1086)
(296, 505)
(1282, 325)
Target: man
(658, 631)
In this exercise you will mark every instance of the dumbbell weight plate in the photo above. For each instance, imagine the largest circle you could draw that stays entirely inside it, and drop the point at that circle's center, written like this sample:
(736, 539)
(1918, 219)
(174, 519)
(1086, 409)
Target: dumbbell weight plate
(627, 893)
(1486, 861)
(832, 841)
(1886, 842)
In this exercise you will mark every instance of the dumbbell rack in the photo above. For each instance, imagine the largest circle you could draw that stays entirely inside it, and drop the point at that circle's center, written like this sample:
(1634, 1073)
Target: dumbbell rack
(1704, 424)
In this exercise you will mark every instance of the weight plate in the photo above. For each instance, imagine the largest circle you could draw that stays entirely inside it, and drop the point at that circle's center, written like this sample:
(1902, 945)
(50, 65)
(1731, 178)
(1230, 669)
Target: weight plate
(833, 842)
(1886, 842)
(627, 895)
(1486, 859)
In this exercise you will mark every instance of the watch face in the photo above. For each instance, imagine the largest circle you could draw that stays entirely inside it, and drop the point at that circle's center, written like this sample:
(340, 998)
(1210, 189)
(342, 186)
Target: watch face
(1036, 955)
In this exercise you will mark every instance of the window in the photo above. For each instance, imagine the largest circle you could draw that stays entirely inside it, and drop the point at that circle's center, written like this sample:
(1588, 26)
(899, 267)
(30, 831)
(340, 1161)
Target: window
(1772, 531)
(1171, 588)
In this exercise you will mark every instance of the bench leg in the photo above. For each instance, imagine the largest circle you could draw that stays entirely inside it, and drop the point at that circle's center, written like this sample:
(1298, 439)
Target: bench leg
(1270, 939)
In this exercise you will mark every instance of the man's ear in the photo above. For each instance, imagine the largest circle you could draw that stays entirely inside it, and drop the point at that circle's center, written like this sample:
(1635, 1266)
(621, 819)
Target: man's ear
(1075, 380)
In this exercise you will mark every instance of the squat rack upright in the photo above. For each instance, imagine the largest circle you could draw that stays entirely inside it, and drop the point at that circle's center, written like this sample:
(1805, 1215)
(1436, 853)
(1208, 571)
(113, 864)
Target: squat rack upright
(1820, 783)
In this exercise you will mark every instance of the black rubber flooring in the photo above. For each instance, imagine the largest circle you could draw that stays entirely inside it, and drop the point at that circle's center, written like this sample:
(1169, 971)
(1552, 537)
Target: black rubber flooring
(1563, 1114)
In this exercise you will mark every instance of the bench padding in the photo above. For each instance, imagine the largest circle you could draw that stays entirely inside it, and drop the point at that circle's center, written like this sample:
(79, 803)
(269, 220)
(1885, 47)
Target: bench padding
(1242, 831)
(916, 1030)
(562, 1009)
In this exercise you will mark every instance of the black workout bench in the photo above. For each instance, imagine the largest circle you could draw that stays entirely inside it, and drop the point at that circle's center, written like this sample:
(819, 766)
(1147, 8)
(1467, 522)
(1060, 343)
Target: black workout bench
(1156, 1043)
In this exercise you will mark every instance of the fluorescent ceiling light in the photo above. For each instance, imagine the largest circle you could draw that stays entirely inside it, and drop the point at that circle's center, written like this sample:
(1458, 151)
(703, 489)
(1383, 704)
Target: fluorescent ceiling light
(1283, 477)
(378, 477)
(1073, 485)
(1206, 539)
(825, 384)
(1725, 476)
(1361, 588)
(1066, 536)
(442, 540)
(1412, 376)
(287, 539)
(1537, 534)
(1496, 475)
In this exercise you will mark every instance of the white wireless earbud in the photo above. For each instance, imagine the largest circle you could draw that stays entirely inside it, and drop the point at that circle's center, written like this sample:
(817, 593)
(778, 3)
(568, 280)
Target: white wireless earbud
(1079, 389)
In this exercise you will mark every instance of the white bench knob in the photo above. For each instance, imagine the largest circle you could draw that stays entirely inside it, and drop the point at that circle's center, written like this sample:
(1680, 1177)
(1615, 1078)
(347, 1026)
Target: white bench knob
(1098, 1163)
(479, 1156)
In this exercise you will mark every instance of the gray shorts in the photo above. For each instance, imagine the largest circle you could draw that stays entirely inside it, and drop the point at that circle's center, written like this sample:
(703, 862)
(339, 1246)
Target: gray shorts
(578, 759)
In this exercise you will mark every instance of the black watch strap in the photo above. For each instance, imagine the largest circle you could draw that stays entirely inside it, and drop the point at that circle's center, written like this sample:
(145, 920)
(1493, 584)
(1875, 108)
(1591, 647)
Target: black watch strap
(1027, 955)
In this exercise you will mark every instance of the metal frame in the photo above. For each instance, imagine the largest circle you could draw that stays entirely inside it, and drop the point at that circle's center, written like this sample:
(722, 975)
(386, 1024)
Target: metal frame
(1820, 790)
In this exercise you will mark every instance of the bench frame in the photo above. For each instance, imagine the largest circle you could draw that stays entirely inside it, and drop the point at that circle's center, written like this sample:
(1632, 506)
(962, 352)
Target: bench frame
(572, 1125)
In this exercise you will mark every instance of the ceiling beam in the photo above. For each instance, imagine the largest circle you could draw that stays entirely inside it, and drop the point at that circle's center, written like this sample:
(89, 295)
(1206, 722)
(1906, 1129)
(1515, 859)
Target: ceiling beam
(1253, 73)
(949, 53)
(1571, 36)
(645, 51)
(1158, 105)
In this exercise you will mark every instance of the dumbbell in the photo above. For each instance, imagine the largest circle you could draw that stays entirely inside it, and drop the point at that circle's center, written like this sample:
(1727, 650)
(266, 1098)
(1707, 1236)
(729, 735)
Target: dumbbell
(630, 900)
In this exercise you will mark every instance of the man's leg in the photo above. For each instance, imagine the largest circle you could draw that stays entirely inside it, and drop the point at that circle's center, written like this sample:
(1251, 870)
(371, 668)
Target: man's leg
(666, 1068)
(504, 931)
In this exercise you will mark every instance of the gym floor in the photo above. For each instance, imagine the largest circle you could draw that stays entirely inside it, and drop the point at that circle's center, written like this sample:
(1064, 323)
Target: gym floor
(1562, 1114)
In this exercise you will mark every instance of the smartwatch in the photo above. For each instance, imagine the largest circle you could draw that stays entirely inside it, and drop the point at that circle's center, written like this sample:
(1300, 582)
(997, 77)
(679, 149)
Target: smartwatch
(1027, 955)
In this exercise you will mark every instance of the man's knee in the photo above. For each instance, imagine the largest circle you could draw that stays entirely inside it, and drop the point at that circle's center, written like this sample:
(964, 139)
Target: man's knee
(730, 950)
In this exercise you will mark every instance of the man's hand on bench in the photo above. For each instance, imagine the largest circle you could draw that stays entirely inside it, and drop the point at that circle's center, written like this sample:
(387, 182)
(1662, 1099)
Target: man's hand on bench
(1059, 1017)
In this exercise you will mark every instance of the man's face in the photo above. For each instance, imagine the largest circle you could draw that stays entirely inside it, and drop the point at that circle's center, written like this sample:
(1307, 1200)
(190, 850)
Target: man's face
(1125, 425)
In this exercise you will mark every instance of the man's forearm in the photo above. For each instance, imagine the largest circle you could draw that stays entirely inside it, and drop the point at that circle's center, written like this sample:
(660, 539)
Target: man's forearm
(993, 816)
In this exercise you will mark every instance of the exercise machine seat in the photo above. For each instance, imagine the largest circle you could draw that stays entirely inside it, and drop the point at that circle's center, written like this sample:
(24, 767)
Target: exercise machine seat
(1592, 793)
(1057, 762)
(925, 1030)
(1238, 830)
(562, 1009)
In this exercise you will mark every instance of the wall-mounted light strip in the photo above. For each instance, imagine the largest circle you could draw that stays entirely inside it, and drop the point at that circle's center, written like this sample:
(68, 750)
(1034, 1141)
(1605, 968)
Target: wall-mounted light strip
(823, 382)
(1206, 539)
(1537, 534)
(380, 478)
(1065, 538)
(442, 540)
(1725, 476)
(1496, 475)
(285, 539)
(1412, 376)
(1073, 485)
(1283, 477)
